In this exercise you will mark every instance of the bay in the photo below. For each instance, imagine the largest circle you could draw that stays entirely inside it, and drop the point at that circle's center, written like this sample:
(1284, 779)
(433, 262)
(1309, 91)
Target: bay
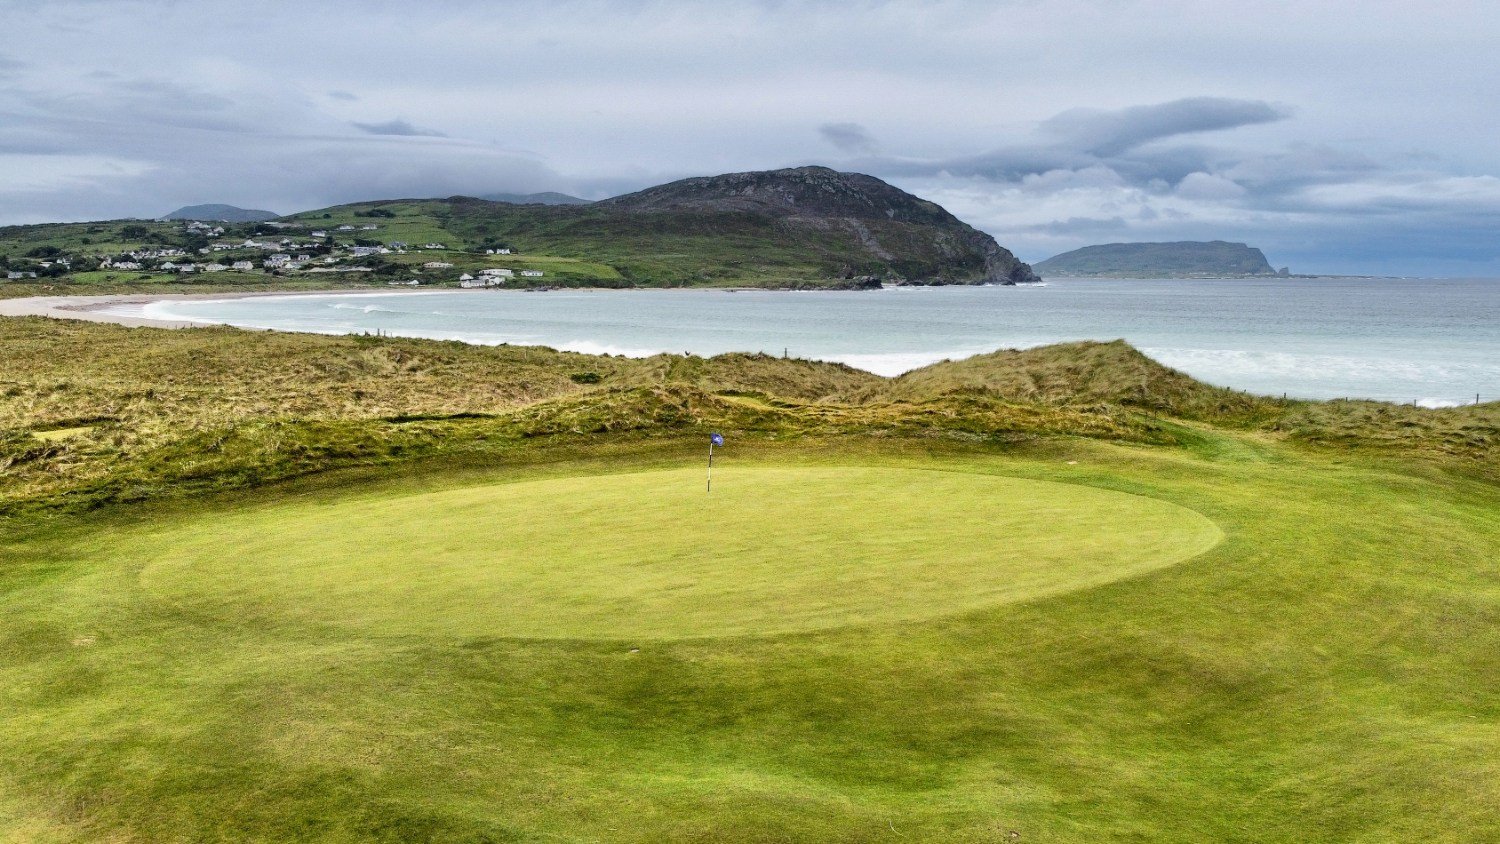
(1432, 341)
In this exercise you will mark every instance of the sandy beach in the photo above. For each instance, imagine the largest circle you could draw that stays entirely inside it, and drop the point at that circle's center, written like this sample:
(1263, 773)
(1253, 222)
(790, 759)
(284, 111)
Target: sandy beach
(101, 308)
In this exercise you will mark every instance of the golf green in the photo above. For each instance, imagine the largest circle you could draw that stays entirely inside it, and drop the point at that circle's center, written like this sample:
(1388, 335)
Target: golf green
(650, 555)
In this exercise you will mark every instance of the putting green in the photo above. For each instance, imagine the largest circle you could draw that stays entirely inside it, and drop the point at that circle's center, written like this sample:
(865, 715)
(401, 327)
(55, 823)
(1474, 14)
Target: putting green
(651, 556)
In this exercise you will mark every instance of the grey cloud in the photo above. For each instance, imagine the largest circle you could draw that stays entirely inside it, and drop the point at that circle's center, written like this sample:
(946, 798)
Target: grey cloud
(849, 137)
(1079, 225)
(1109, 133)
(1299, 166)
(1083, 138)
(398, 127)
(343, 95)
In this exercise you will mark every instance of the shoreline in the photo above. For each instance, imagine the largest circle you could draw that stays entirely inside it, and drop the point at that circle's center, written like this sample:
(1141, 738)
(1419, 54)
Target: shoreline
(94, 307)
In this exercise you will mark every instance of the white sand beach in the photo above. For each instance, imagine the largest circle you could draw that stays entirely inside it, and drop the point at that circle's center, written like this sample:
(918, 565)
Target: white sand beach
(123, 308)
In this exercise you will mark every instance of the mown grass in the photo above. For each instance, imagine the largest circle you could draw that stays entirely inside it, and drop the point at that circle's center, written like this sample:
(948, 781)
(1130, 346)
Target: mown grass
(1322, 674)
(1326, 672)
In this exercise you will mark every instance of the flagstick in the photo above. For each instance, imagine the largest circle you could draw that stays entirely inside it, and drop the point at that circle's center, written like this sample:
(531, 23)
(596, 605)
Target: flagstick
(710, 465)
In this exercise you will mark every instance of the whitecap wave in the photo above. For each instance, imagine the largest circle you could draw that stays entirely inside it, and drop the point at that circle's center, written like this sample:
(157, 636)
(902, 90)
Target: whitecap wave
(891, 364)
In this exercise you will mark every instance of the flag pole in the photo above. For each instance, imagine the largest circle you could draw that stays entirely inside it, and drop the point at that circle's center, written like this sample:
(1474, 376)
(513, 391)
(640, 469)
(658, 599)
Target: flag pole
(710, 465)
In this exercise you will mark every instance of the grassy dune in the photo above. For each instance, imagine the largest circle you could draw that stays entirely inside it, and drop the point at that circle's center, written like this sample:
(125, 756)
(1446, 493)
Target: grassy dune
(262, 587)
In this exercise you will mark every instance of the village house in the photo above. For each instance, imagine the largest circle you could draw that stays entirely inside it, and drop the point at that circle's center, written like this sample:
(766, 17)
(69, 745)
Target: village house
(187, 268)
(17, 274)
(411, 283)
(214, 268)
(242, 266)
(487, 281)
(437, 265)
(319, 234)
(433, 246)
(497, 251)
(369, 228)
(167, 265)
(345, 228)
(498, 272)
(532, 273)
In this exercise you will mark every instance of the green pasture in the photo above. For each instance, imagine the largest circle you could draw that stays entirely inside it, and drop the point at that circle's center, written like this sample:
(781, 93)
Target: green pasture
(851, 641)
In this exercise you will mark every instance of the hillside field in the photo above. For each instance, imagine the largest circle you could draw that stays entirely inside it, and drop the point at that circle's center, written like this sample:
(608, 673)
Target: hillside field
(260, 587)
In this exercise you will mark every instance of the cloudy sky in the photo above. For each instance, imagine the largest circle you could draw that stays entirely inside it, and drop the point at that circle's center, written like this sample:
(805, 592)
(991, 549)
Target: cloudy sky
(1352, 136)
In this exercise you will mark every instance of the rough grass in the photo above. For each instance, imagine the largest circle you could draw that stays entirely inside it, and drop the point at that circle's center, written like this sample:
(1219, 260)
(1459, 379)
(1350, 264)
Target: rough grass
(170, 412)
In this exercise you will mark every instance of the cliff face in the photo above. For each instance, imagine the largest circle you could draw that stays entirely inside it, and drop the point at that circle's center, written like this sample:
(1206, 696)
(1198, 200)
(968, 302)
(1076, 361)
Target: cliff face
(901, 236)
(1215, 258)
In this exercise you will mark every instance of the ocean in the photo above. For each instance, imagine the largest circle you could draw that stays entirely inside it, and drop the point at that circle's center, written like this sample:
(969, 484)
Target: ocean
(1435, 342)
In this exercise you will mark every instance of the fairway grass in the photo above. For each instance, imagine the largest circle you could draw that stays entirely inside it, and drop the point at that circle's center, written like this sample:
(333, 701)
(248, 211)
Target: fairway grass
(277, 665)
(652, 556)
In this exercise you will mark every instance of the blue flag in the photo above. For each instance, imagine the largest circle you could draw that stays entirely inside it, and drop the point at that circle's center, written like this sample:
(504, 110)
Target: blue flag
(716, 439)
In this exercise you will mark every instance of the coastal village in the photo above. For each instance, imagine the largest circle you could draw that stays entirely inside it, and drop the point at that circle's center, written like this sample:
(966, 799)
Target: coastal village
(281, 250)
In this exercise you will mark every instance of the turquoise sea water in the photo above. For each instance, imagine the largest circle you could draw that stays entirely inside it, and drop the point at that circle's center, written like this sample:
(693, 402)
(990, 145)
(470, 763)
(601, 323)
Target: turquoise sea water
(1436, 342)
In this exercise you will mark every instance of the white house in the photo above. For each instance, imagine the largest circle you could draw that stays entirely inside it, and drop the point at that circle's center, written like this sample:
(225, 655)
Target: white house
(497, 251)
(13, 275)
(168, 265)
(437, 265)
(498, 272)
(187, 268)
(532, 273)
(214, 268)
(346, 228)
(242, 266)
(320, 234)
(433, 246)
(412, 283)
(485, 281)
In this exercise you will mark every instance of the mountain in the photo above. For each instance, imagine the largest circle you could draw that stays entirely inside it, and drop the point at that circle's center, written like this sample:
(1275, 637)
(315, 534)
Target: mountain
(544, 198)
(220, 214)
(801, 228)
(881, 229)
(1215, 258)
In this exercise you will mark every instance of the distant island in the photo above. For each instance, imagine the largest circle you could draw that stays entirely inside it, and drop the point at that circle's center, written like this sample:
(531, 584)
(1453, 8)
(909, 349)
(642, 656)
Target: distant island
(543, 198)
(1183, 259)
(214, 213)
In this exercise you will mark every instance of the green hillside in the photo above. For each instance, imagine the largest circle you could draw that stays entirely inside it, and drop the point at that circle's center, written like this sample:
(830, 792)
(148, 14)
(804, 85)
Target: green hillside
(801, 228)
